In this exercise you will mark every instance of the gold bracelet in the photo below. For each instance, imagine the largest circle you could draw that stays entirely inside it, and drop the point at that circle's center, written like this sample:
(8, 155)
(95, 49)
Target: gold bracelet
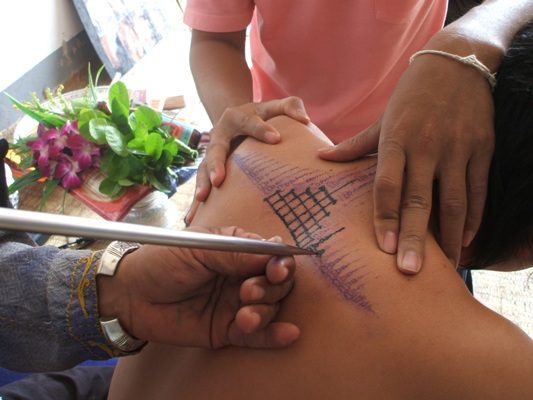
(468, 60)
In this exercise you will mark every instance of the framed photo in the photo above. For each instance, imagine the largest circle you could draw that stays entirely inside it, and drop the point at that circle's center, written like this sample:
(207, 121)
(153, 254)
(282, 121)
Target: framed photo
(123, 31)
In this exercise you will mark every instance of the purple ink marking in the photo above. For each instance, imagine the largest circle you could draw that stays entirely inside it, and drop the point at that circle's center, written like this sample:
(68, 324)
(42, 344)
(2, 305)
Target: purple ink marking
(303, 200)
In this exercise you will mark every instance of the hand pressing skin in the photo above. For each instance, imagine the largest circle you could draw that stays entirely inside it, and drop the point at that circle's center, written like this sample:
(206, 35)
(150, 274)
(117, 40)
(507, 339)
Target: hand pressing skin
(248, 119)
(210, 299)
(438, 125)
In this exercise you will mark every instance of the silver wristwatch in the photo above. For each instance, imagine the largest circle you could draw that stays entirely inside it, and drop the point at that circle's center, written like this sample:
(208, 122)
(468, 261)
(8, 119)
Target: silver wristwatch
(112, 329)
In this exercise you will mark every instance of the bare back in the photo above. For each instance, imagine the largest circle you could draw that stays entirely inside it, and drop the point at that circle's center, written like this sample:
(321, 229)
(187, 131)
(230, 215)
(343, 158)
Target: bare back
(368, 332)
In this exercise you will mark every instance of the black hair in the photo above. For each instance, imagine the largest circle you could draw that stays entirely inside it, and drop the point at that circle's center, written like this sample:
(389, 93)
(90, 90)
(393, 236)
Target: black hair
(507, 224)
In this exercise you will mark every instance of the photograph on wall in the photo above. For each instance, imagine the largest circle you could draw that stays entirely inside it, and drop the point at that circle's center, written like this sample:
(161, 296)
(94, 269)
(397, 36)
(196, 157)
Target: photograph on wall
(124, 31)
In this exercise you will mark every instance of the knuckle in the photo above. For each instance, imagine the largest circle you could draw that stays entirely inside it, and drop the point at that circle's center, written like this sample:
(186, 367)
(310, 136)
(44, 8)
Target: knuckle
(414, 239)
(477, 189)
(454, 206)
(416, 202)
(385, 185)
(393, 145)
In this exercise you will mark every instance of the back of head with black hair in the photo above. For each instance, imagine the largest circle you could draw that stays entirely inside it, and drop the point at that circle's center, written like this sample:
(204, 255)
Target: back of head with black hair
(508, 219)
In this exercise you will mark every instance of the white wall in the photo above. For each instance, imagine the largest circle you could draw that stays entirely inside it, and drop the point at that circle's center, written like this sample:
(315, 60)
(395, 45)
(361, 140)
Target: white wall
(31, 30)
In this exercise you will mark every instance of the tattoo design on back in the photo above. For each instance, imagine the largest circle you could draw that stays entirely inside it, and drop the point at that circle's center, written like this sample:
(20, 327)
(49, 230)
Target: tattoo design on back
(304, 200)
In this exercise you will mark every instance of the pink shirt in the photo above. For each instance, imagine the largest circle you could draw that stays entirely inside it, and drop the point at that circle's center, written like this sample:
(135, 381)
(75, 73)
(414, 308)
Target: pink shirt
(342, 57)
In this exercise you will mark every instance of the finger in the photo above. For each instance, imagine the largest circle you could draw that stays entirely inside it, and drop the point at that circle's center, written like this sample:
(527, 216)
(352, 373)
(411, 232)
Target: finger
(203, 184)
(253, 124)
(195, 204)
(452, 210)
(293, 107)
(203, 188)
(215, 158)
(416, 208)
(477, 186)
(240, 265)
(248, 119)
(275, 335)
(253, 318)
(258, 290)
(387, 195)
(280, 269)
(355, 147)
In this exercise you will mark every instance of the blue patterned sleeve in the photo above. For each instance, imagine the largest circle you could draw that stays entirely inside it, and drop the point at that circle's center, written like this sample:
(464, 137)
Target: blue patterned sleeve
(48, 307)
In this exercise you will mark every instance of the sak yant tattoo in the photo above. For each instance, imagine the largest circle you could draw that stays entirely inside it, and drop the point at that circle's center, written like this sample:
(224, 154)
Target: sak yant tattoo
(304, 201)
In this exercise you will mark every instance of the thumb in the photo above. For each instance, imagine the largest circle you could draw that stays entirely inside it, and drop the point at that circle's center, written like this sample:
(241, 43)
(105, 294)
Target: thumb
(362, 144)
(236, 264)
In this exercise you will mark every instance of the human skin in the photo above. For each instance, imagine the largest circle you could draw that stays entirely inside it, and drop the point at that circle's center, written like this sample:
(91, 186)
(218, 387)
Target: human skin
(367, 330)
(437, 124)
(192, 297)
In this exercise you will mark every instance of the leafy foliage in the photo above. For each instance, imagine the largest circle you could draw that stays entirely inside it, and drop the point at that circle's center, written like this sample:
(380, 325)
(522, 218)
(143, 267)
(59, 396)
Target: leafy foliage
(129, 145)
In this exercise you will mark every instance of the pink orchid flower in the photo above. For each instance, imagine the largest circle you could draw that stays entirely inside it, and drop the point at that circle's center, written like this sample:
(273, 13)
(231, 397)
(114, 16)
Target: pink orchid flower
(42, 155)
(83, 151)
(67, 170)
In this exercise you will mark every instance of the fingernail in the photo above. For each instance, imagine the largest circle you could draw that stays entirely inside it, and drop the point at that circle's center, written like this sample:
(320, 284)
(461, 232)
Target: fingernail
(256, 320)
(284, 273)
(468, 236)
(389, 242)
(303, 114)
(410, 262)
(271, 137)
(276, 239)
(212, 177)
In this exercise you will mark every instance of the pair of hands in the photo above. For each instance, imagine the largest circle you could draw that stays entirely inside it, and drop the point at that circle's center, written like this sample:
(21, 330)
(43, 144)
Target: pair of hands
(209, 299)
(438, 125)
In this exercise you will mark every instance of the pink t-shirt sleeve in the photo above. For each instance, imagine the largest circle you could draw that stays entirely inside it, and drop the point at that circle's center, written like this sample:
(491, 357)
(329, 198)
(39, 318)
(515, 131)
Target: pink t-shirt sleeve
(219, 16)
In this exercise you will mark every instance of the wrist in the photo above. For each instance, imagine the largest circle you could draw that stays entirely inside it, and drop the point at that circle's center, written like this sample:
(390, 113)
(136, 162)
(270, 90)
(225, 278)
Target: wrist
(112, 298)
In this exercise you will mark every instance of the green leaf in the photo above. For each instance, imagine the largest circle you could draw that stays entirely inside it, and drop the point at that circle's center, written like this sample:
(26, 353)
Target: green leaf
(116, 140)
(46, 118)
(98, 128)
(85, 117)
(93, 84)
(120, 117)
(106, 158)
(155, 183)
(165, 160)
(126, 182)
(110, 188)
(148, 117)
(49, 187)
(140, 132)
(25, 180)
(154, 145)
(171, 146)
(137, 168)
(80, 104)
(118, 168)
(136, 144)
(119, 93)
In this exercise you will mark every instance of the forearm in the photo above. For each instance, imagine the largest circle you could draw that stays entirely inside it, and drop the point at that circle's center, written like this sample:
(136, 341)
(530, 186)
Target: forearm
(220, 71)
(48, 309)
(486, 30)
